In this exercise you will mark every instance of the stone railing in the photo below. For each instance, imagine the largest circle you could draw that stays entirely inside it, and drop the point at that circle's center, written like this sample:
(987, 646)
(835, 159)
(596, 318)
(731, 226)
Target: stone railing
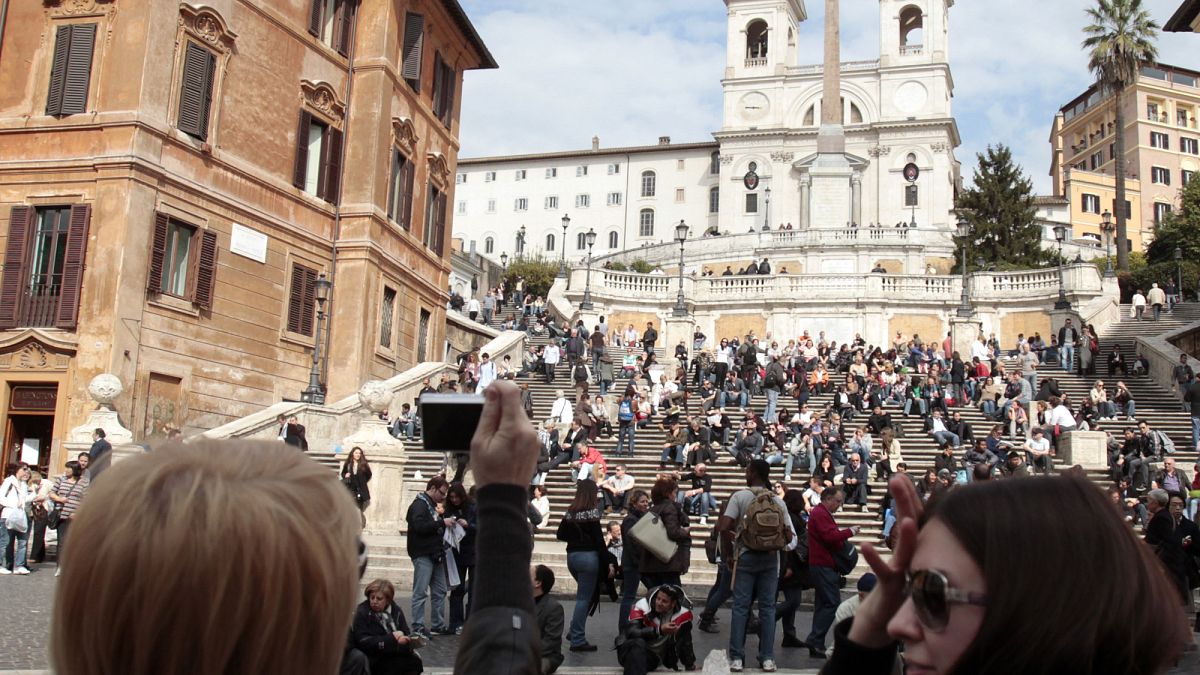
(1163, 355)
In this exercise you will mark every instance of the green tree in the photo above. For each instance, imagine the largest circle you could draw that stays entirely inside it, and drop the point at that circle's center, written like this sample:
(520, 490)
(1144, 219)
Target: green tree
(1180, 229)
(1120, 40)
(999, 206)
(539, 273)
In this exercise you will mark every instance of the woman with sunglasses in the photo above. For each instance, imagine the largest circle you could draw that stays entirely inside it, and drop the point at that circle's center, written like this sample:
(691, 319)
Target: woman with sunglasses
(966, 592)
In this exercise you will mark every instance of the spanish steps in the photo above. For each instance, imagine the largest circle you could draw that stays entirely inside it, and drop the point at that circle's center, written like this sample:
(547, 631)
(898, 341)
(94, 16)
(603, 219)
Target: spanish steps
(1158, 406)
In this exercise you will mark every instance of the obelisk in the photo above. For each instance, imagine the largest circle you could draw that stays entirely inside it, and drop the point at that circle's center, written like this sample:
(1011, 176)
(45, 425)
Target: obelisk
(830, 197)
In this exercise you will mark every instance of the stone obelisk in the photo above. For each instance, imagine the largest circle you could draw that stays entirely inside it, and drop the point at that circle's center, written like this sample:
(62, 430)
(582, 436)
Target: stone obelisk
(830, 197)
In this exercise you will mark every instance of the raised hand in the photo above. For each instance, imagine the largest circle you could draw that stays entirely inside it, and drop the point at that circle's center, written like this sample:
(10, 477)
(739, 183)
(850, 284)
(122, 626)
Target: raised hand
(504, 448)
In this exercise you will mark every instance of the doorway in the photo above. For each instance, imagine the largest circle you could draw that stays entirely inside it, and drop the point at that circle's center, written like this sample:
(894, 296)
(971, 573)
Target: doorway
(28, 438)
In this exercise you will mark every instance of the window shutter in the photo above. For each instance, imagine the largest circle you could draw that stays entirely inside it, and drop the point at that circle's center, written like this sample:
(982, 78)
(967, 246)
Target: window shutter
(393, 193)
(58, 70)
(448, 79)
(206, 270)
(438, 84)
(331, 165)
(315, 14)
(73, 265)
(343, 23)
(414, 43)
(158, 253)
(195, 93)
(301, 297)
(408, 183)
(79, 69)
(439, 235)
(12, 282)
(298, 173)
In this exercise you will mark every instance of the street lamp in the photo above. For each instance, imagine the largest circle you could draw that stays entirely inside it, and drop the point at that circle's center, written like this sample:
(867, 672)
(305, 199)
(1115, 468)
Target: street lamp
(681, 233)
(1107, 227)
(1060, 234)
(586, 305)
(767, 210)
(1179, 272)
(964, 233)
(562, 263)
(504, 260)
(313, 393)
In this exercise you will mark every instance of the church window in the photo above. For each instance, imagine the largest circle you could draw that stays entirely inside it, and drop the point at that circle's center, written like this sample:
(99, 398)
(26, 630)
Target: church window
(489, 245)
(612, 240)
(714, 163)
(911, 196)
(550, 242)
(714, 200)
(756, 39)
(912, 25)
(751, 203)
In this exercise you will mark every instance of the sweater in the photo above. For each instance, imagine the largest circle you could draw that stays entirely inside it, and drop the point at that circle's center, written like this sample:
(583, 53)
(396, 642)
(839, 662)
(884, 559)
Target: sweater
(824, 537)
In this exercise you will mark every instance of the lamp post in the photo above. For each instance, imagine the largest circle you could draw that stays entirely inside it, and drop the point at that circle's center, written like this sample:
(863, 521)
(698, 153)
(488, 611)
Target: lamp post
(586, 304)
(313, 393)
(1107, 227)
(767, 211)
(1060, 234)
(504, 261)
(1178, 254)
(681, 233)
(562, 263)
(964, 232)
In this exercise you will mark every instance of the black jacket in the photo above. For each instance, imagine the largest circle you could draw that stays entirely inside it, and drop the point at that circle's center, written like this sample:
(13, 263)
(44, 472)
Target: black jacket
(373, 639)
(425, 529)
(357, 482)
(550, 623)
(466, 547)
(676, 522)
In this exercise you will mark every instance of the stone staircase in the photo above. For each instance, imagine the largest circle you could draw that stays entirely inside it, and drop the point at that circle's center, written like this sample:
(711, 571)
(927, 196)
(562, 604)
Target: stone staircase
(1158, 406)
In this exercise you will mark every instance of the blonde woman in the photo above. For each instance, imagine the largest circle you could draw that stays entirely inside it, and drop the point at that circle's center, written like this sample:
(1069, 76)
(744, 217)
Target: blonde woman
(268, 546)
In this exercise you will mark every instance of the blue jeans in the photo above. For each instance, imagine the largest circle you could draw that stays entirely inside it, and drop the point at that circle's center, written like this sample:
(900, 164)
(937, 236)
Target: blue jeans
(704, 499)
(428, 574)
(21, 538)
(943, 436)
(626, 428)
(922, 407)
(826, 600)
(1066, 356)
(1131, 412)
(584, 566)
(631, 579)
(1195, 430)
(802, 460)
(718, 594)
(772, 401)
(675, 453)
(727, 396)
(757, 577)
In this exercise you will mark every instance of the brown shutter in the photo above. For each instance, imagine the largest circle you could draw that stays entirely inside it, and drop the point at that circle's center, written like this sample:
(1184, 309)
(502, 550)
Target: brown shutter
(73, 266)
(195, 92)
(58, 70)
(298, 173)
(301, 297)
(158, 253)
(310, 298)
(206, 270)
(79, 69)
(342, 25)
(315, 15)
(393, 192)
(408, 183)
(414, 44)
(439, 235)
(448, 82)
(14, 278)
(438, 84)
(331, 165)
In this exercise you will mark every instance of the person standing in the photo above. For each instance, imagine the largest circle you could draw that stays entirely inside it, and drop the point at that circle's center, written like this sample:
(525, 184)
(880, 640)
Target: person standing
(550, 618)
(825, 540)
(426, 548)
(1156, 298)
(649, 338)
(656, 572)
(551, 355)
(461, 508)
(473, 308)
(626, 423)
(356, 473)
(1191, 397)
(1068, 337)
(580, 529)
(631, 554)
(597, 350)
(67, 494)
(100, 446)
(14, 496)
(489, 306)
(773, 384)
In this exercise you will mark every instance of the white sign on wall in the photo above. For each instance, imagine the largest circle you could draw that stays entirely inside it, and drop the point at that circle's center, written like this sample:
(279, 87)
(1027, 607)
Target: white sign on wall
(248, 243)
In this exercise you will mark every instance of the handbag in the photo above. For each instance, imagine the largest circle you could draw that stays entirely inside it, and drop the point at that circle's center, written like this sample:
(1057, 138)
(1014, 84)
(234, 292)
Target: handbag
(845, 559)
(651, 533)
(55, 517)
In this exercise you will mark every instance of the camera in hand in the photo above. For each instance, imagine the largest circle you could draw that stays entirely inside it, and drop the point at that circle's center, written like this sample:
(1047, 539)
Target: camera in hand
(448, 421)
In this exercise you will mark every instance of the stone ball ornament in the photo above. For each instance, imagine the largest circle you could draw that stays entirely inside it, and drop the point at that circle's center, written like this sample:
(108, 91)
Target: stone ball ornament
(105, 388)
(375, 396)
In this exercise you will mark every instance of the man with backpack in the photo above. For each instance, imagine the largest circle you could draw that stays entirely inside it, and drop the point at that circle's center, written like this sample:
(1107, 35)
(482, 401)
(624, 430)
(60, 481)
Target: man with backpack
(773, 385)
(753, 530)
(825, 544)
(626, 424)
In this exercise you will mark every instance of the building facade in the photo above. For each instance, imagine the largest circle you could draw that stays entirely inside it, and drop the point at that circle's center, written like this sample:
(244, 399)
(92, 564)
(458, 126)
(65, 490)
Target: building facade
(1162, 151)
(896, 111)
(181, 180)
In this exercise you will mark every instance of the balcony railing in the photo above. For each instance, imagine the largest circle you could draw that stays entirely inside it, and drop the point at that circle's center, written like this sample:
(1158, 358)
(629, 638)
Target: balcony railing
(39, 307)
(756, 62)
(912, 50)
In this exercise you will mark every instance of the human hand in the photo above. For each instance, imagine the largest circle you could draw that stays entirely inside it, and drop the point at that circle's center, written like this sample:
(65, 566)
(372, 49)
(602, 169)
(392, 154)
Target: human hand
(870, 623)
(462, 522)
(449, 522)
(668, 629)
(400, 637)
(504, 448)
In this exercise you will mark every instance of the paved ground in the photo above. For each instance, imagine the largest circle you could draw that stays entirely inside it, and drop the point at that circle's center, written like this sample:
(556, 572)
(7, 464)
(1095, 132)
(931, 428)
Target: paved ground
(27, 601)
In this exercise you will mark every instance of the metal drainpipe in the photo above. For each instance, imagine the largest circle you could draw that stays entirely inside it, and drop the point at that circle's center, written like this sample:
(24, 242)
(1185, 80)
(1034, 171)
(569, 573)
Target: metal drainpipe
(337, 208)
(3, 22)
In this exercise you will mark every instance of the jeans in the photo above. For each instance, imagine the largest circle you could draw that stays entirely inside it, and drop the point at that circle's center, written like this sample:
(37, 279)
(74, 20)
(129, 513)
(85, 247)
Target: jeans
(943, 436)
(675, 453)
(922, 408)
(743, 398)
(1193, 505)
(1032, 379)
(1066, 356)
(613, 500)
(426, 575)
(721, 589)
(988, 408)
(1131, 412)
(631, 579)
(550, 372)
(460, 597)
(757, 577)
(786, 610)
(1195, 430)
(21, 540)
(627, 428)
(1157, 311)
(801, 459)
(889, 521)
(487, 316)
(825, 602)
(704, 499)
(772, 401)
(584, 566)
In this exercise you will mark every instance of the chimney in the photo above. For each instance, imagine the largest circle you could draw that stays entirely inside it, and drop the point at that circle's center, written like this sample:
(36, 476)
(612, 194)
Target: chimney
(472, 244)
(595, 143)
(664, 140)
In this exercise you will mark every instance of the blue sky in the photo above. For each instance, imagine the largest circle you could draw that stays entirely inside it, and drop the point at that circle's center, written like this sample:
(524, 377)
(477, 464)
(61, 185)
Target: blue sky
(630, 71)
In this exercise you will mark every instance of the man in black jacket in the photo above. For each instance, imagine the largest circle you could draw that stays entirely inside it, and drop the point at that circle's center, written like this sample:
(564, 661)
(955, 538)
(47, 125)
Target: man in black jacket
(649, 338)
(659, 633)
(427, 550)
(550, 618)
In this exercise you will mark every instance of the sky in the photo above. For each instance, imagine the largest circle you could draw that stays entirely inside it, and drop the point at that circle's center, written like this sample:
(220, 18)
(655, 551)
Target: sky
(630, 71)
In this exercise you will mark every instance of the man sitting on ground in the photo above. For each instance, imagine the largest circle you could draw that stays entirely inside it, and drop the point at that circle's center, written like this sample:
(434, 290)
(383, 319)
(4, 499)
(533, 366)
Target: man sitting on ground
(659, 633)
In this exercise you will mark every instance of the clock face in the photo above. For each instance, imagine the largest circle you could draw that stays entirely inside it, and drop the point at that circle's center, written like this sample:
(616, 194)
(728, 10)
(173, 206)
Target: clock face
(754, 106)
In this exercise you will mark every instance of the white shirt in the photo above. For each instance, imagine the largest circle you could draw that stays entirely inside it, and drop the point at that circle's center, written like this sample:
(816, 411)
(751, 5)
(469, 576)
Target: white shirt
(472, 305)
(979, 350)
(551, 354)
(1061, 416)
(1139, 300)
(562, 411)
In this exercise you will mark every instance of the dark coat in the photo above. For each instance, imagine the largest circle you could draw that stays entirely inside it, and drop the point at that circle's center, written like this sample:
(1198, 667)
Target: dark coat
(357, 482)
(387, 656)
(1160, 534)
(294, 434)
(550, 624)
(466, 548)
(425, 530)
(676, 523)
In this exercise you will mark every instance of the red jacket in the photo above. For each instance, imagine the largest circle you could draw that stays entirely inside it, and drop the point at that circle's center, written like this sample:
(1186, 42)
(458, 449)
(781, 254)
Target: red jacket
(824, 537)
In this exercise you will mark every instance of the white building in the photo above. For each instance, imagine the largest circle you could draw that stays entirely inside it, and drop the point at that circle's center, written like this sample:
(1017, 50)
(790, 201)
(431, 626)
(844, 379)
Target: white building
(896, 111)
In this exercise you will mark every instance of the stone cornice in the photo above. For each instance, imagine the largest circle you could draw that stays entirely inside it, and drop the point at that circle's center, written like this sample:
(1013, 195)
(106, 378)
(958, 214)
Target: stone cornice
(322, 97)
(208, 26)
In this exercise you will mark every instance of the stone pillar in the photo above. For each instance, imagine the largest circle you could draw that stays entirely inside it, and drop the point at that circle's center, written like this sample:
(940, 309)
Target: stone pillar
(385, 515)
(676, 329)
(962, 333)
(1088, 449)
(104, 389)
(805, 196)
(856, 198)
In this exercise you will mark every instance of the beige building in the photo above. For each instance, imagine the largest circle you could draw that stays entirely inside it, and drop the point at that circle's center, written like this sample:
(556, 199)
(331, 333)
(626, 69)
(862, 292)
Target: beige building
(1162, 144)
(177, 178)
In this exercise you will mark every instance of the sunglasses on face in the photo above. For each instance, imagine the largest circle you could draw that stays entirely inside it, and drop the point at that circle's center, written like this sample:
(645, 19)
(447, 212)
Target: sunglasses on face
(932, 596)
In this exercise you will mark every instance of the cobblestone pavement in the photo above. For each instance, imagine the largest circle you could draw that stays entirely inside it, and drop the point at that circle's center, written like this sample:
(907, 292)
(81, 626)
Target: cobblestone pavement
(28, 600)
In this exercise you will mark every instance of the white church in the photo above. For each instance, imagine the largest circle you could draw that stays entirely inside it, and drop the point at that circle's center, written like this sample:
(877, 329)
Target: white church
(778, 162)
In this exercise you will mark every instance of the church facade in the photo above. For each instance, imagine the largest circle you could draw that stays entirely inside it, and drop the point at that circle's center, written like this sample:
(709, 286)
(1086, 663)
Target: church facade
(758, 171)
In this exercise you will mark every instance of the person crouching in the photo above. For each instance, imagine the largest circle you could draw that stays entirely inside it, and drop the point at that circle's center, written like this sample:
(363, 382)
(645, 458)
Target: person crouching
(659, 633)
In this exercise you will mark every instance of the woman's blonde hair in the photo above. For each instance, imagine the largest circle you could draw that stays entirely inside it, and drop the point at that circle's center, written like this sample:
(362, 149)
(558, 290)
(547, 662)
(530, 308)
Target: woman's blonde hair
(214, 557)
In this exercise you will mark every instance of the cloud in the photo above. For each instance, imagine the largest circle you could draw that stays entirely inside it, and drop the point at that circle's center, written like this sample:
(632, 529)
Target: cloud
(630, 71)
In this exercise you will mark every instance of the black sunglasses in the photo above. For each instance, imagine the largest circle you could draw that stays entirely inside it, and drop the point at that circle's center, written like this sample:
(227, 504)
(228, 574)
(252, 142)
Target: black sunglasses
(932, 596)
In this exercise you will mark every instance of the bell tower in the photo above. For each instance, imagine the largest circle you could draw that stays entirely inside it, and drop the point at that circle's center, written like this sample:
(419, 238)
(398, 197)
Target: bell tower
(913, 32)
(762, 36)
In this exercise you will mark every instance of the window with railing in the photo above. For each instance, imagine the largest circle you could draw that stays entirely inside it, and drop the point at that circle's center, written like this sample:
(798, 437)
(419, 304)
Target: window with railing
(43, 266)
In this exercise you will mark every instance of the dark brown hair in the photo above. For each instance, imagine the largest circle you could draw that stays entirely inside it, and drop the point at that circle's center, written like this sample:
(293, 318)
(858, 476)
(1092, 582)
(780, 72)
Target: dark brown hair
(586, 496)
(382, 586)
(1135, 627)
(663, 487)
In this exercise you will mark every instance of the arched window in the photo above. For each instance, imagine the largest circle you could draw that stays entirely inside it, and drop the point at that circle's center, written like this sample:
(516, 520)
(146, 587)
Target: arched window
(756, 39)
(810, 117)
(649, 181)
(714, 163)
(520, 246)
(550, 242)
(489, 245)
(646, 223)
(714, 199)
(912, 25)
(612, 240)
(581, 241)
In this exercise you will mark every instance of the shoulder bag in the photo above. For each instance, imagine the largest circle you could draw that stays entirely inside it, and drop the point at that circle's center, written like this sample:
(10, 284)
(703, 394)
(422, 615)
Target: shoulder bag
(55, 516)
(651, 533)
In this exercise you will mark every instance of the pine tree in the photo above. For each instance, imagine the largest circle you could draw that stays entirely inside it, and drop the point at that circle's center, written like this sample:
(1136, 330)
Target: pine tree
(999, 206)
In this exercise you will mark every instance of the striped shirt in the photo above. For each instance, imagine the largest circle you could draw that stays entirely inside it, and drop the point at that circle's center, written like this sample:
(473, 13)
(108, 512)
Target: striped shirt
(72, 491)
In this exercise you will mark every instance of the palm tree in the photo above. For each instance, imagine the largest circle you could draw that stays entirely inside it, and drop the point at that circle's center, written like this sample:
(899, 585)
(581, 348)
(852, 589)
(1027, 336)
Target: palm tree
(1120, 40)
